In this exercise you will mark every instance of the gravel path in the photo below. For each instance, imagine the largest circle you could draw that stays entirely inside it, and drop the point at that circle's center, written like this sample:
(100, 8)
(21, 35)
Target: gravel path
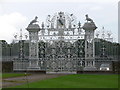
(9, 82)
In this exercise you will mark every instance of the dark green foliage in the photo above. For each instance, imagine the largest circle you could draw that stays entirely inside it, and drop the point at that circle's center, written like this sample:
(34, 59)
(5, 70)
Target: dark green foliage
(112, 50)
(7, 66)
(13, 49)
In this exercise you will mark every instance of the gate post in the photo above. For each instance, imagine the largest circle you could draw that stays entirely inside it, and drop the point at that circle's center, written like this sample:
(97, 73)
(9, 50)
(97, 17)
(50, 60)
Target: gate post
(89, 28)
(33, 30)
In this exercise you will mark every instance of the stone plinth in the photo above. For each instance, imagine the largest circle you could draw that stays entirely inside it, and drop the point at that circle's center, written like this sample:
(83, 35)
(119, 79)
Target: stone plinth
(89, 28)
(33, 27)
(33, 30)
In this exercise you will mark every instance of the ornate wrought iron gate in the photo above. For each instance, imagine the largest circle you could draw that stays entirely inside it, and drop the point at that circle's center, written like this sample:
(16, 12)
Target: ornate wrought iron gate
(60, 44)
(60, 55)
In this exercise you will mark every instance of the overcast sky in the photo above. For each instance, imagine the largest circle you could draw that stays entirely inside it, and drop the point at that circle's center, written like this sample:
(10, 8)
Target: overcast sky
(16, 14)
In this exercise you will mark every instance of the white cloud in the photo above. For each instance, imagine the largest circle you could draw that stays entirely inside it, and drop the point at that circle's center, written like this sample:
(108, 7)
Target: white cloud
(103, 14)
(9, 24)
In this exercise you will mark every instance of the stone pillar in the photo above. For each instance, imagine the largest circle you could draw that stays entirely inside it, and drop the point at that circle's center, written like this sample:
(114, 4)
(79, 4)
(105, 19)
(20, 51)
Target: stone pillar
(33, 30)
(89, 28)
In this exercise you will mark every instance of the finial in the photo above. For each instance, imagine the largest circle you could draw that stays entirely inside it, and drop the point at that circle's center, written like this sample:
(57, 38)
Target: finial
(42, 24)
(48, 15)
(71, 14)
(21, 34)
(97, 34)
(109, 34)
(15, 36)
(103, 27)
(79, 24)
(26, 36)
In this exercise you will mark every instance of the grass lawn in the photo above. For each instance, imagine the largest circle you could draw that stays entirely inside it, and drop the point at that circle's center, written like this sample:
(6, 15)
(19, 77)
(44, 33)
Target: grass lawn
(9, 75)
(76, 81)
